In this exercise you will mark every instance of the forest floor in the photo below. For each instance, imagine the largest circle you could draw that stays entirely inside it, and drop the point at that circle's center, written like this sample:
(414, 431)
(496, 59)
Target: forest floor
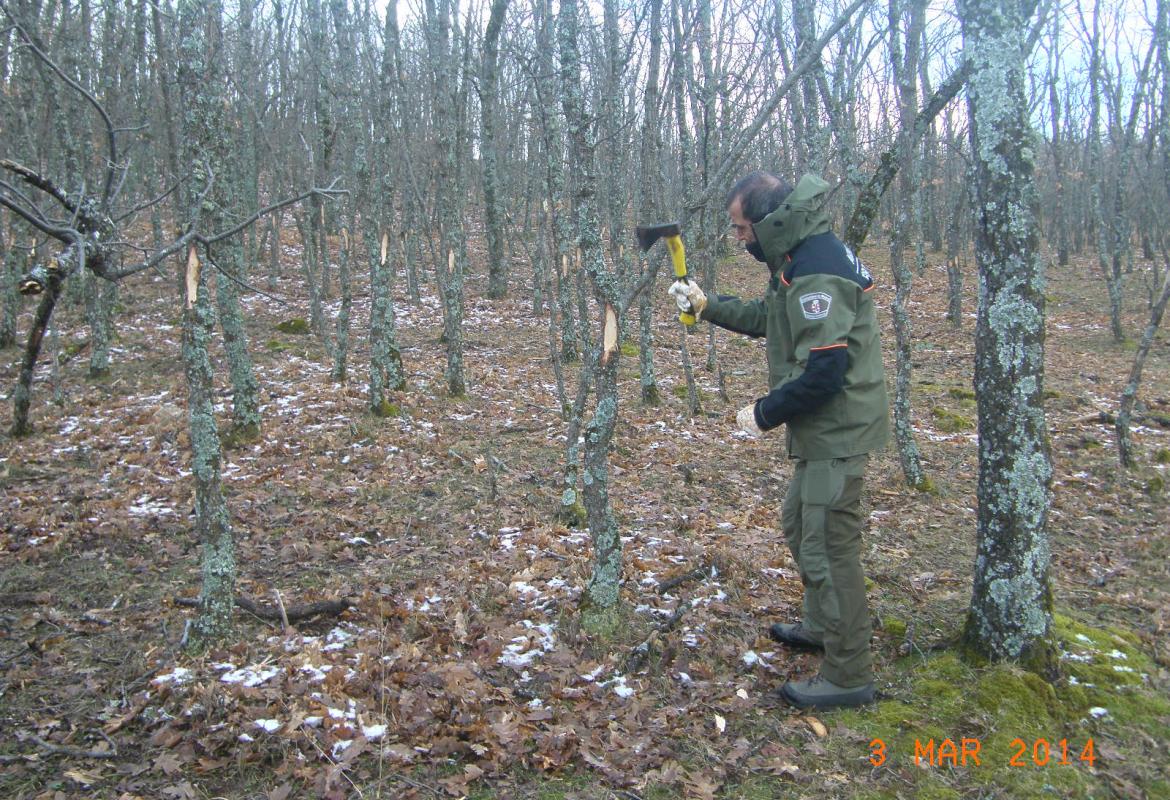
(463, 667)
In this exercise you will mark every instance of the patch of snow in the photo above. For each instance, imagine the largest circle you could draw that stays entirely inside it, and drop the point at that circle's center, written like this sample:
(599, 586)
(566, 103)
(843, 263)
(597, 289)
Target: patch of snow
(374, 732)
(316, 674)
(268, 725)
(147, 506)
(178, 676)
(525, 649)
(337, 639)
(1099, 712)
(251, 676)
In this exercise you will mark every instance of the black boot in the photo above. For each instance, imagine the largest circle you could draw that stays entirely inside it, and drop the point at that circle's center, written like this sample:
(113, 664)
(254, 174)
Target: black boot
(795, 636)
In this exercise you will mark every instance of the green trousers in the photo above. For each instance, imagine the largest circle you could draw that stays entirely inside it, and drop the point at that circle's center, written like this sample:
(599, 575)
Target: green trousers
(822, 522)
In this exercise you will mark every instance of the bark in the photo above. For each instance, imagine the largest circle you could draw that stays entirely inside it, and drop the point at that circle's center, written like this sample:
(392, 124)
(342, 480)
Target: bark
(245, 387)
(562, 227)
(648, 191)
(603, 586)
(212, 521)
(345, 287)
(1161, 298)
(493, 207)
(12, 260)
(202, 94)
(1099, 188)
(910, 17)
(1129, 394)
(386, 370)
(22, 392)
(451, 264)
(100, 298)
(1010, 616)
(1058, 215)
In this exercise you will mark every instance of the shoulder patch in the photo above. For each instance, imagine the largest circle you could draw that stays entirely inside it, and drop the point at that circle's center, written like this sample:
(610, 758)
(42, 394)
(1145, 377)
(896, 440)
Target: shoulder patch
(815, 305)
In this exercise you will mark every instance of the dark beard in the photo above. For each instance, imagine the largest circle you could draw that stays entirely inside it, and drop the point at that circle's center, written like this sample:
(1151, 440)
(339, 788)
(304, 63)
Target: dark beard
(756, 250)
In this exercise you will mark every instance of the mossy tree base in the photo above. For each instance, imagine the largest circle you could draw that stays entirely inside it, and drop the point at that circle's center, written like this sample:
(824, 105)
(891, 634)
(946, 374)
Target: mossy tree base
(241, 435)
(386, 410)
(606, 626)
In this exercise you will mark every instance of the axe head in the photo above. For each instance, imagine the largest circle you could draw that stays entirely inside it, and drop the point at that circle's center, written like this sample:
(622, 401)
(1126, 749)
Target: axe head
(649, 234)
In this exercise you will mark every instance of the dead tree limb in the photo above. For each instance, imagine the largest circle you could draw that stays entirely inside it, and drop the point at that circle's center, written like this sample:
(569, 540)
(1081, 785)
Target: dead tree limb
(272, 613)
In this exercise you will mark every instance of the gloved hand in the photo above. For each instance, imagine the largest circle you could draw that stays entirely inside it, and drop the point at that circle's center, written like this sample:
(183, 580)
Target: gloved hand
(746, 420)
(689, 297)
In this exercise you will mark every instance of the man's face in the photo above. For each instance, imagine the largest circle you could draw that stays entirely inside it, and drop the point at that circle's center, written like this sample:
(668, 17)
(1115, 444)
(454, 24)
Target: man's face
(743, 230)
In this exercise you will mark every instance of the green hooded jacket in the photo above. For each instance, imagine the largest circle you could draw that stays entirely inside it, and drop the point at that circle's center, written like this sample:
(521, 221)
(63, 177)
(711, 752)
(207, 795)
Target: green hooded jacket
(817, 305)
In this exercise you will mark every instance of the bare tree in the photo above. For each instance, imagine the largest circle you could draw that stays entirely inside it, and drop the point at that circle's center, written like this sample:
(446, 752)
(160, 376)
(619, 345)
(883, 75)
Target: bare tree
(907, 21)
(1011, 603)
(489, 151)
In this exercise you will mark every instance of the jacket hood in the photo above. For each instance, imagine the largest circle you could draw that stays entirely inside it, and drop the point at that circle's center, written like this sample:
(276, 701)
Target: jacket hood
(801, 215)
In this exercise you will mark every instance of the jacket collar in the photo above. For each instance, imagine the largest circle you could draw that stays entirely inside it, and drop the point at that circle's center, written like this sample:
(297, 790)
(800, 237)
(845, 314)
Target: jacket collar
(801, 215)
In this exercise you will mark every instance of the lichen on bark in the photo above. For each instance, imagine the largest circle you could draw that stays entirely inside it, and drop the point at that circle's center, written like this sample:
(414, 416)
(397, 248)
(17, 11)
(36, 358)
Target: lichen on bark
(1010, 617)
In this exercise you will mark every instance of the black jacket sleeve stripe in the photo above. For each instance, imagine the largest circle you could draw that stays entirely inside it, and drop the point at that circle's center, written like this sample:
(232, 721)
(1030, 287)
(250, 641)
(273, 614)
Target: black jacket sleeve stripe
(823, 377)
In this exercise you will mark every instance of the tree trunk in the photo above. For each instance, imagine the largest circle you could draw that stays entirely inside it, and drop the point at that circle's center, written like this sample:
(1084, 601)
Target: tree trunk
(212, 522)
(202, 90)
(1011, 604)
(11, 266)
(100, 298)
(489, 150)
(1129, 394)
(905, 77)
(344, 286)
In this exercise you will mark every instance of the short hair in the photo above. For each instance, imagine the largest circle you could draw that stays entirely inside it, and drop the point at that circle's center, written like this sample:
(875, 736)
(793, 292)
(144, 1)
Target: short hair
(759, 194)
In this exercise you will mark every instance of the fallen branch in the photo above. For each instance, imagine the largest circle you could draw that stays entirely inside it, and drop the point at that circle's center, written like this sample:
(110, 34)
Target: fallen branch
(25, 598)
(272, 613)
(701, 571)
(66, 750)
(115, 725)
(639, 654)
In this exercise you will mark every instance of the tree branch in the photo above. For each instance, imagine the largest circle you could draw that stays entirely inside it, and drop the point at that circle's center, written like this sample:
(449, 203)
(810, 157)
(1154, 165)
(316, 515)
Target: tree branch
(111, 138)
(328, 191)
(739, 148)
(40, 182)
(38, 221)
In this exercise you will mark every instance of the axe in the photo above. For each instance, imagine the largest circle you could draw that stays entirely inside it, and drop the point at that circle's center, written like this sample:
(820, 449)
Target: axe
(672, 233)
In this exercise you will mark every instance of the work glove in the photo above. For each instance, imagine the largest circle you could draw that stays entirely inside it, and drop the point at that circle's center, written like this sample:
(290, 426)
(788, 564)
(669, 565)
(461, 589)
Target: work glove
(746, 420)
(689, 297)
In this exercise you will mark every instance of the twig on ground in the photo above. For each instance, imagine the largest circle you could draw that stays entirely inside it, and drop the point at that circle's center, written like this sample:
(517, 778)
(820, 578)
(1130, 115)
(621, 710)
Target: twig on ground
(907, 645)
(113, 726)
(72, 752)
(283, 613)
(639, 654)
(273, 614)
(700, 571)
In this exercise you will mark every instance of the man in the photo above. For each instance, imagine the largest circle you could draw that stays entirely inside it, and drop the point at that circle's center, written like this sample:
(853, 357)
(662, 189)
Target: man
(827, 384)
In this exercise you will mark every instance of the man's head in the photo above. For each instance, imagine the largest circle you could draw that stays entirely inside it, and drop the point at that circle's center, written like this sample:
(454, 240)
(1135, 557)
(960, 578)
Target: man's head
(753, 197)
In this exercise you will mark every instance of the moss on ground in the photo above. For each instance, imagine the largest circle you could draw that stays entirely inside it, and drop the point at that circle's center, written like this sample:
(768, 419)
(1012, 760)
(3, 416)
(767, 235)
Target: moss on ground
(951, 422)
(1031, 736)
(297, 326)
